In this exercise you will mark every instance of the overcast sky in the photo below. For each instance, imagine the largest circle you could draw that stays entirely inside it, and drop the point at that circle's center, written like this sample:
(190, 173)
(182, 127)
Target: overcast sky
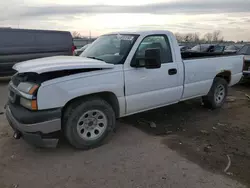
(232, 17)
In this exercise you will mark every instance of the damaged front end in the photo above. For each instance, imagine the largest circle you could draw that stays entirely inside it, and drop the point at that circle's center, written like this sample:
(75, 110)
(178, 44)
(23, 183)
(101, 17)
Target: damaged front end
(38, 127)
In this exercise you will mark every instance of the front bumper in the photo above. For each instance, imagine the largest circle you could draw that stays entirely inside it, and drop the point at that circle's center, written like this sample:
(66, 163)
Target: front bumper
(40, 134)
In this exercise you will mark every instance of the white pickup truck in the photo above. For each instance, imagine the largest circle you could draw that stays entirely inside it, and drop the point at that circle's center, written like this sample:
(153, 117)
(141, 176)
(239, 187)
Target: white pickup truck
(118, 75)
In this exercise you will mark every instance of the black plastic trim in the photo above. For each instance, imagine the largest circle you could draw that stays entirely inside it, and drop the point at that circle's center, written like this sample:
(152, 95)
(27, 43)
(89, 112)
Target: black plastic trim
(26, 116)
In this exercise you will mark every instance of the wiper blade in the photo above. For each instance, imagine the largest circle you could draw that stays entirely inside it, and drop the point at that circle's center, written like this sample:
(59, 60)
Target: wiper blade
(92, 57)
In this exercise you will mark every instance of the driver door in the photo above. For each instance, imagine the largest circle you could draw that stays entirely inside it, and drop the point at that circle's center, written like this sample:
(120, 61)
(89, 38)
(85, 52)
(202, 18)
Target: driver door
(150, 88)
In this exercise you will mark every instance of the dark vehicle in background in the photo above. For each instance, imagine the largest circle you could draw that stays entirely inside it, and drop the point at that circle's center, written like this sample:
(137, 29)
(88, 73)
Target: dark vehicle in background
(18, 45)
(233, 48)
(245, 50)
(208, 48)
(78, 52)
(184, 48)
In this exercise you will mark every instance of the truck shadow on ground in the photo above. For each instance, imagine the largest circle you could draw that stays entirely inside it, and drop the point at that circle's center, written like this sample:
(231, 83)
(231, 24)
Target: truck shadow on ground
(168, 119)
(206, 137)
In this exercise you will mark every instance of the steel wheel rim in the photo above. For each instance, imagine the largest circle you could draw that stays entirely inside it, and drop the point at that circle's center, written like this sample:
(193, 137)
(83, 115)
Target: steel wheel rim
(219, 94)
(91, 125)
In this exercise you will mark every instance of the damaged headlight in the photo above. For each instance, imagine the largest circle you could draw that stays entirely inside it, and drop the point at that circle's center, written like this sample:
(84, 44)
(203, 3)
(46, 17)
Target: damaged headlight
(28, 98)
(28, 103)
(27, 87)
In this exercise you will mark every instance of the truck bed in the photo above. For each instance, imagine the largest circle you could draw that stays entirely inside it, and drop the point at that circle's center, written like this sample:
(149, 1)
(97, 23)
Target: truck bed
(200, 73)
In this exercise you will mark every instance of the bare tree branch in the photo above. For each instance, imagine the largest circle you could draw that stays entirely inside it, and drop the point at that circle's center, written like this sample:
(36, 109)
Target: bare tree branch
(76, 34)
(215, 36)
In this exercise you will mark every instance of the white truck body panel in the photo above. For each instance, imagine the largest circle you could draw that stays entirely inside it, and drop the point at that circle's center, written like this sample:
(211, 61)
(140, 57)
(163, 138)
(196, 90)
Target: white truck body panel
(137, 89)
(57, 63)
(144, 90)
(200, 73)
(110, 80)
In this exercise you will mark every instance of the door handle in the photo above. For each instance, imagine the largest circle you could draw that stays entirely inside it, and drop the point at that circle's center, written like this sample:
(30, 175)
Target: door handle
(172, 71)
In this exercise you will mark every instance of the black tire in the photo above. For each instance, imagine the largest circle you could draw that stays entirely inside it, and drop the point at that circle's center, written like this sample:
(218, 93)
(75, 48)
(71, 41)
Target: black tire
(76, 110)
(209, 100)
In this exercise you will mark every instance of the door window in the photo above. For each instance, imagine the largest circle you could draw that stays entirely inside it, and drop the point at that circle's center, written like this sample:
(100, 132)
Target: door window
(157, 41)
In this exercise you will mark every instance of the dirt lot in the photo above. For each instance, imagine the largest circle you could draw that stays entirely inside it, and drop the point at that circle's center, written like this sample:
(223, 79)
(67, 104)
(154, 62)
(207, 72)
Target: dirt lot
(138, 155)
(204, 136)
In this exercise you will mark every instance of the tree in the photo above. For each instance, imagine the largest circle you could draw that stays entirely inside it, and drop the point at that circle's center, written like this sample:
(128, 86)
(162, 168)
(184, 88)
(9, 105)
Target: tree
(208, 37)
(76, 34)
(217, 36)
(188, 37)
(179, 37)
(196, 37)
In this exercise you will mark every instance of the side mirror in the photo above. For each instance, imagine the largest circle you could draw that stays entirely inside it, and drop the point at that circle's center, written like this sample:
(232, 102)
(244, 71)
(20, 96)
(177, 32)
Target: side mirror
(153, 58)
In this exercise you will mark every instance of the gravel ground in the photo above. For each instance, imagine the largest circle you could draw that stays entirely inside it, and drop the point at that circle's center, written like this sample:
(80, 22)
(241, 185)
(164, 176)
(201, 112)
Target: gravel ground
(132, 158)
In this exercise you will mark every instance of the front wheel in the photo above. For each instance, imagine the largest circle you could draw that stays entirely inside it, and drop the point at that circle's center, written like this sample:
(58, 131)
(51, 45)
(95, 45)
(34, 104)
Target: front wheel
(88, 123)
(217, 94)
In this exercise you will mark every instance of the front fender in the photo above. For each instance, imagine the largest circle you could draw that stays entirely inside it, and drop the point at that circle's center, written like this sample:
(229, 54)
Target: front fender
(58, 94)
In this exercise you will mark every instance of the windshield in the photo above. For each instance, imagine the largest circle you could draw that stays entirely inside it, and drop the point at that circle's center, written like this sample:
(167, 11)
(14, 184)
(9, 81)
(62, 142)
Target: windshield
(200, 48)
(218, 48)
(245, 50)
(239, 46)
(232, 47)
(110, 48)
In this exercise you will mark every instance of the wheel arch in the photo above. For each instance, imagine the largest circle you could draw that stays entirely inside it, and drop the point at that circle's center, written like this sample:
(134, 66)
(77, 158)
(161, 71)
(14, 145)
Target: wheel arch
(225, 74)
(109, 97)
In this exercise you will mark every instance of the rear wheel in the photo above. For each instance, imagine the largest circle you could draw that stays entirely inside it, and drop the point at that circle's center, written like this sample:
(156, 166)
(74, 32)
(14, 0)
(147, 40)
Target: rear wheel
(88, 123)
(217, 94)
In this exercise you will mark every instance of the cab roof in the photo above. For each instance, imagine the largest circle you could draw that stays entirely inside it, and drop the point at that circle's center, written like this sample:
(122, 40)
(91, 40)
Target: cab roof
(143, 32)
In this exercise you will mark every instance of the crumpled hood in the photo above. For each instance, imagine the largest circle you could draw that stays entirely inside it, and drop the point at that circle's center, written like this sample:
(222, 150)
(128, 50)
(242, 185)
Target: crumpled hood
(58, 63)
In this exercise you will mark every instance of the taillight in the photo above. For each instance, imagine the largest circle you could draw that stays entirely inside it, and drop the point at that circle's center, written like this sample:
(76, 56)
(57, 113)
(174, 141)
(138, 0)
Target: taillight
(73, 49)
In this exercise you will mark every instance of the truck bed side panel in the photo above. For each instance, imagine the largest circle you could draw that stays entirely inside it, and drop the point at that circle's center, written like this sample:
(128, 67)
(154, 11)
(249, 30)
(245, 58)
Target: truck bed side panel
(200, 73)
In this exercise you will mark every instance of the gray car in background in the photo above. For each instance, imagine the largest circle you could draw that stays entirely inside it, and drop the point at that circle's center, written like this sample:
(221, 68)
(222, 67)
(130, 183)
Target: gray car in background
(208, 48)
(233, 48)
(18, 45)
(78, 52)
